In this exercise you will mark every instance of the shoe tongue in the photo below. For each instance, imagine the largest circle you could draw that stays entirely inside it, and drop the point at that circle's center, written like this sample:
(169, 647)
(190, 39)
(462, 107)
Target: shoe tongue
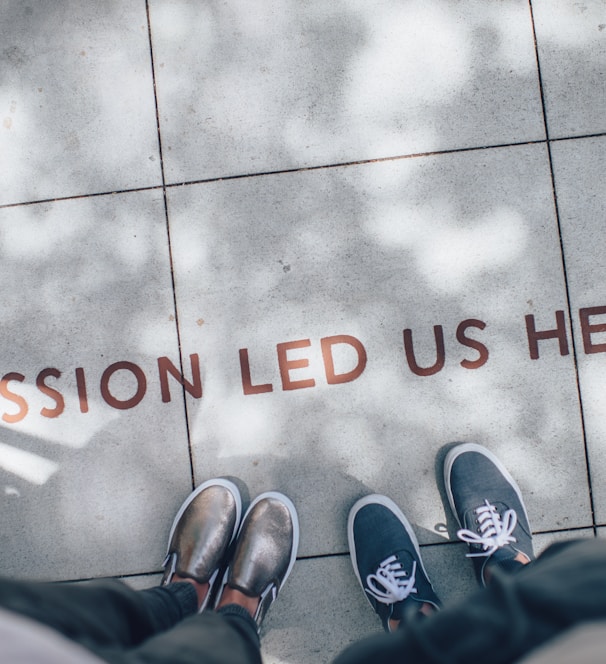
(405, 610)
(505, 560)
(503, 554)
(510, 565)
(398, 611)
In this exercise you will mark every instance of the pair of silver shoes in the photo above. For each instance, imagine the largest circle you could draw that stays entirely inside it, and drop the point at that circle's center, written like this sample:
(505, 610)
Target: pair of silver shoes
(211, 543)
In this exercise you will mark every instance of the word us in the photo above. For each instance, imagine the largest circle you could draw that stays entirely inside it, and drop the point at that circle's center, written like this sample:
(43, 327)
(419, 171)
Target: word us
(19, 407)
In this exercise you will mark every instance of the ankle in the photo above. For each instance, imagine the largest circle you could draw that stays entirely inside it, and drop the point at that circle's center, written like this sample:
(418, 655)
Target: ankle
(522, 558)
(201, 588)
(509, 565)
(425, 610)
(233, 596)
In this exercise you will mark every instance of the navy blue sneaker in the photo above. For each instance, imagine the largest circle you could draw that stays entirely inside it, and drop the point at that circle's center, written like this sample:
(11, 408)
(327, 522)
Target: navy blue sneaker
(387, 561)
(489, 507)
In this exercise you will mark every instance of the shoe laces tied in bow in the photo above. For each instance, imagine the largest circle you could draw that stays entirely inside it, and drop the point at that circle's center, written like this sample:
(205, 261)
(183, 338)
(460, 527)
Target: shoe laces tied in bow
(391, 583)
(494, 531)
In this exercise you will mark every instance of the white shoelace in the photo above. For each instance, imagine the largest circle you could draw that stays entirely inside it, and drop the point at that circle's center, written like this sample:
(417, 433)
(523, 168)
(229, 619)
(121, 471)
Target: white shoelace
(391, 583)
(494, 530)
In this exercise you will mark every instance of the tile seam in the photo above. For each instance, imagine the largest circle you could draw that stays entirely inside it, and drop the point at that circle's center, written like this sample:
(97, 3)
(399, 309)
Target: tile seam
(345, 554)
(358, 162)
(298, 169)
(564, 270)
(454, 542)
(286, 171)
(169, 242)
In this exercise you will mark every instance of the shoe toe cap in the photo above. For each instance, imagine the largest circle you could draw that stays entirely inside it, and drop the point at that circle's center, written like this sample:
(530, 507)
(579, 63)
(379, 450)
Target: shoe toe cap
(204, 532)
(265, 549)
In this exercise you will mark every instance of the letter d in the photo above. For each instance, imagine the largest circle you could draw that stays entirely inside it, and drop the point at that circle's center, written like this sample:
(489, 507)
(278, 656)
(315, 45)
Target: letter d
(329, 366)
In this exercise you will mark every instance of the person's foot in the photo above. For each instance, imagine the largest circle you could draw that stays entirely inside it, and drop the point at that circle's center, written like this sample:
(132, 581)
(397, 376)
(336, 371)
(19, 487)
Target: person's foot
(387, 561)
(205, 526)
(490, 510)
(265, 552)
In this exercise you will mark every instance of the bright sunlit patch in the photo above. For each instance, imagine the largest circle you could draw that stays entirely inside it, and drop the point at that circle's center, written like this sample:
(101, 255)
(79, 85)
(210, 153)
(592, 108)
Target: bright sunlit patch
(399, 229)
(244, 429)
(173, 21)
(72, 428)
(36, 236)
(413, 52)
(573, 25)
(452, 256)
(132, 243)
(594, 399)
(447, 253)
(28, 466)
(336, 438)
(514, 48)
(155, 336)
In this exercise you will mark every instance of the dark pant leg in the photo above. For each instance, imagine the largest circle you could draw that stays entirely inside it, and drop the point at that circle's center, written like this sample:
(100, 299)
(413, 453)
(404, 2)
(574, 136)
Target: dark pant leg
(515, 614)
(100, 614)
(124, 626)
(228, 636)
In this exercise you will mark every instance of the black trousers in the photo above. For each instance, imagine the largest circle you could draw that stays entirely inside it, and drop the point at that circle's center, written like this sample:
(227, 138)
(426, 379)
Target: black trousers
(123, 626)
(515, 614)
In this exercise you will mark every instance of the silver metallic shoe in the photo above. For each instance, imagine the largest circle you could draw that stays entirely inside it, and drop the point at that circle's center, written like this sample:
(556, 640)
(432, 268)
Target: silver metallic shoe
(266, 550)
(205, 526)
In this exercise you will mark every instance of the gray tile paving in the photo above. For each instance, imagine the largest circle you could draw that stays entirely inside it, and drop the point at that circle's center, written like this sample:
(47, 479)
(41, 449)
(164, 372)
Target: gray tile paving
(303, 84)
(369, 251)
(77, 109)
(142, 581)
(579, 167)
(85, 486)
(313, 275)
(571, 38)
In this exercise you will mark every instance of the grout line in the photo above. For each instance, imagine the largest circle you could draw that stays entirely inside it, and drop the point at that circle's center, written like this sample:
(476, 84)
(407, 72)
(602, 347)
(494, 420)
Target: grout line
(554, 531)
(170, 253)
(539, 74)
(134, 575)
(319, 556)
(565, 271)
(574, 138)
(454, 542)
(572, 529)
(358, 162)
(76, 197)
(137, 575)
(301, 169)
(344, 554)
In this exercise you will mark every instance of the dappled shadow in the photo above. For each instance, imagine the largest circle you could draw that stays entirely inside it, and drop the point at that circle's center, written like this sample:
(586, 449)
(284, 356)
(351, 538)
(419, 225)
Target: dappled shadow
(293, 85)
(87, 284)
(77, 109)
(365, 250)
(351, 273)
